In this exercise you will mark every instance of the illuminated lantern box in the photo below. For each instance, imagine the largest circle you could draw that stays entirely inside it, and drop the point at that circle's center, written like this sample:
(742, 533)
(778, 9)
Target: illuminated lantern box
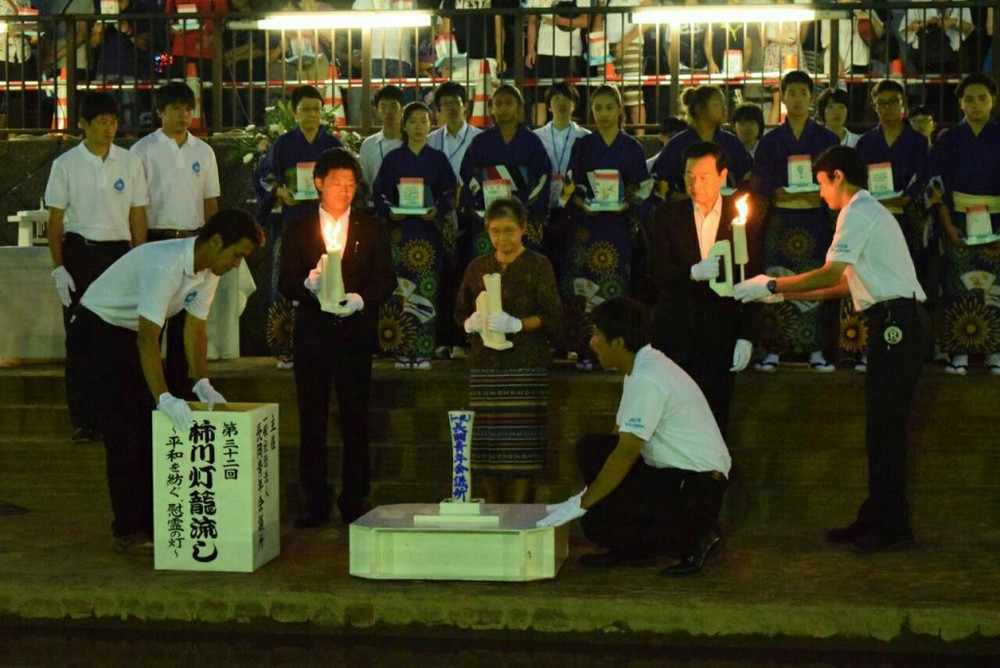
(499, 542)
(216, 490)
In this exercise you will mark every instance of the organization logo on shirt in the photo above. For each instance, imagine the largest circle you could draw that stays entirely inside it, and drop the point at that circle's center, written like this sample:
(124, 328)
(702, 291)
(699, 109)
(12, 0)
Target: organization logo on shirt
(120, 185)
(196, 167)
(635, 423)
(189, 297)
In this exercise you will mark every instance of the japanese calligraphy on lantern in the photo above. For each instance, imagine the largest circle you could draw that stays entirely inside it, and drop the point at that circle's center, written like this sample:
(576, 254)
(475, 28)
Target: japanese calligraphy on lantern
(215, 489)
(460, 423)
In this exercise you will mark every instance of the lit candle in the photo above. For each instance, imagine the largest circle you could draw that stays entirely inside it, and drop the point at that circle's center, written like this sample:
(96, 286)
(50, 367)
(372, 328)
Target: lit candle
(331, 280)
(740, 255)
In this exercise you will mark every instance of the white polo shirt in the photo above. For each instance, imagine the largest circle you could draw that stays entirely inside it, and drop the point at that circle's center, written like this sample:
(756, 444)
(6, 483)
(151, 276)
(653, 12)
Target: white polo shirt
(154, 281)
(453, 146)
(662, 406)
(97, 194)
(180, 179)
(869, 239)
(372, 152)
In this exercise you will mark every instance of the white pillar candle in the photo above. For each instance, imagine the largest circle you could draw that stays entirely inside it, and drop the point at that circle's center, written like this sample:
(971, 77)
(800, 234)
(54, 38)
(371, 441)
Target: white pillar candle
(331, 286)
(740, 254)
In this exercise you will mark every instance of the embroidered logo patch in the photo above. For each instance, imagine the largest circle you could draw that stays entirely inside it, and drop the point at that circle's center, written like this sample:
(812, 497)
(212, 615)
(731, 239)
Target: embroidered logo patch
(196, 167)
(120, 185)
(189, 297)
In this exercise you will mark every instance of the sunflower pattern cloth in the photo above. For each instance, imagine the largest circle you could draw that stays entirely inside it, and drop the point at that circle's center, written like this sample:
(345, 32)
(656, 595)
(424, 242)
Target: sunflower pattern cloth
(406, 320)
(971, 300)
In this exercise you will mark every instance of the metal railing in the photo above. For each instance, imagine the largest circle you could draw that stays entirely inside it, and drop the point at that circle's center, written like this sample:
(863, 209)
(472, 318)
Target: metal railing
(131, 54)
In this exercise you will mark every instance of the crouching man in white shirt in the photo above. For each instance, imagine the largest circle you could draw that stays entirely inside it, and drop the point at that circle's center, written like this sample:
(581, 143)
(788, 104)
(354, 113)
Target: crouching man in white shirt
(116, 332)
(656, 485)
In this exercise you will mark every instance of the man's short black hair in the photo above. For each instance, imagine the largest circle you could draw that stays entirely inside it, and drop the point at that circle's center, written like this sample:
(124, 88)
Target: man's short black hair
(848, 160)
(305, 93)
(974, 79)
(174, 92)
(233, 225)
(748, 111)
(704, 149)
(564, 89)
(337, 158)
(625, 318)
(389, 92)
(97, 104)
(796, 77)
(888, 86)
(450, 89)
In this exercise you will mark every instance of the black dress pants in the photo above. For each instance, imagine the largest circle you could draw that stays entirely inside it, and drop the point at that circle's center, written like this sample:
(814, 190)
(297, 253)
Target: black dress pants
(124, 413)
(85, 261)
(890, 384)
(654, 510)
(322, 357)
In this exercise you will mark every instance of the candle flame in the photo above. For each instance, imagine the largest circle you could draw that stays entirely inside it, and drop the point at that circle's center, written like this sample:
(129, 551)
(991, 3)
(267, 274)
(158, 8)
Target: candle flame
(334, 234)
(744, 209)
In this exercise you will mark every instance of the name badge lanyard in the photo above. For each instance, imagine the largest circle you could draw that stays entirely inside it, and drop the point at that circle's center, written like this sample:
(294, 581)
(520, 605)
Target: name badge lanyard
(559, 161)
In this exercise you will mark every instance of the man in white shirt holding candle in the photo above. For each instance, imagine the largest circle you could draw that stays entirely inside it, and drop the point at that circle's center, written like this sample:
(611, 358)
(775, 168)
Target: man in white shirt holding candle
(869, 260)
(334, 340)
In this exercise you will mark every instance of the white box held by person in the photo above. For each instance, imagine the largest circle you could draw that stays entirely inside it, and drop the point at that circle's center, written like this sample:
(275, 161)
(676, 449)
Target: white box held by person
(216, 489)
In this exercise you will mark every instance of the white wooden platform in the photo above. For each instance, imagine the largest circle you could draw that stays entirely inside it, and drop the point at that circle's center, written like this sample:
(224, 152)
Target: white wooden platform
(385, 544)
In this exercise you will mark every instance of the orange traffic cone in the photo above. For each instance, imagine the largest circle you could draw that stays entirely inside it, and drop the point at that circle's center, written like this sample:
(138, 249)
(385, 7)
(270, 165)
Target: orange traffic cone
(334, 99)
(194, 83)
(481, 117)
(60, 121)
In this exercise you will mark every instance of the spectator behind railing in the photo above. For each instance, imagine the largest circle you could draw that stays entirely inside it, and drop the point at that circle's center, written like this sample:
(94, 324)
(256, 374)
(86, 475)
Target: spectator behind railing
(54, 47)
(861, 40)
(194, 46)
(625, 44)
(933, 36)
(17, 63)
(782, 52)
(555, 45)
(123, 58)
(244, 60)
(298, 57)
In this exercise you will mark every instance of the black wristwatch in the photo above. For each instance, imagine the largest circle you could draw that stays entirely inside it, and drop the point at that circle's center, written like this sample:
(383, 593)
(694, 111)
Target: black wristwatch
(772, 286)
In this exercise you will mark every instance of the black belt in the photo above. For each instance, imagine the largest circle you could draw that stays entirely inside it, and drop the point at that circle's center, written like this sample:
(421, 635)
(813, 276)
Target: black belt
(171, 234)
(893, 304)
(91, 242)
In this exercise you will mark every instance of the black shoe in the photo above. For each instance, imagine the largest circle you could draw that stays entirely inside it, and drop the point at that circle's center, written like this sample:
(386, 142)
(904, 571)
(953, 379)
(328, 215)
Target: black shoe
(846, 535)
(616, 559)
(310, 521)
(874, 541)
(352, 511)
(84, 435)
(693, 563)
(133, 543)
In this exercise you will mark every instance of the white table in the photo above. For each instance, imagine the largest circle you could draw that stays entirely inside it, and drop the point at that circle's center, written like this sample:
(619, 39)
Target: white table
(31, 325)
(32, 227)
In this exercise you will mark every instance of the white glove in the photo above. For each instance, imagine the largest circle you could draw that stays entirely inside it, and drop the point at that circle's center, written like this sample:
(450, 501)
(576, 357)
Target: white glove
(312, 280)
(353, 303)
(64, 285)
(706, 270)
(208, 394)
(474, 323)
(741, 355)
(177, 410)
(561, 513)
(752, 289)
(505, 323)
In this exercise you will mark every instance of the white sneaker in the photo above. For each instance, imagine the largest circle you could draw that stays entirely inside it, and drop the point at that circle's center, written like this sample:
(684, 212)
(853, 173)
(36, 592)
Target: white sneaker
(442, 352)
(767, 365)
(958, 366)
(818, 363)
(862, 365)
(421, 363)
(993, 364)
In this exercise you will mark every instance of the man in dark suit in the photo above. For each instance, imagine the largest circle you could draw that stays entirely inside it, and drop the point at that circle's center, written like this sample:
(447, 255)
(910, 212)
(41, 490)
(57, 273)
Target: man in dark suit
(335, 341)
(706, 335)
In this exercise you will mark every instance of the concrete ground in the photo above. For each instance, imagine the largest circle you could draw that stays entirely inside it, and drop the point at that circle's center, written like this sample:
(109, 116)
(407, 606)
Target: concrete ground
(776, 593)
